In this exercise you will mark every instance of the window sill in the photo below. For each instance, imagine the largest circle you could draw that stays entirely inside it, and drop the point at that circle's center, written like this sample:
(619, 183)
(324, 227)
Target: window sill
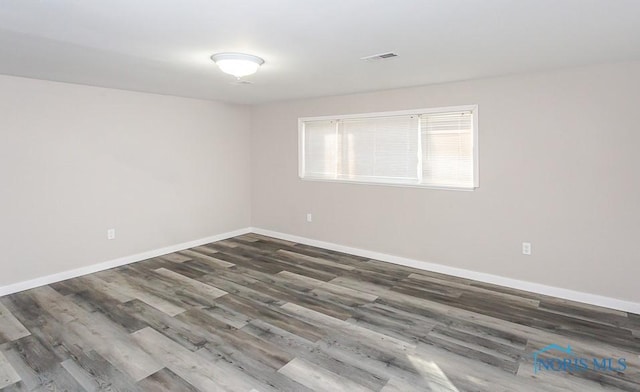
(433, 187)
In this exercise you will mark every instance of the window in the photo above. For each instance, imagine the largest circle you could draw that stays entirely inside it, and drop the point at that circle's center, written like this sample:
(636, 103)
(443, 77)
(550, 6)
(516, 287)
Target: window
(426, 148)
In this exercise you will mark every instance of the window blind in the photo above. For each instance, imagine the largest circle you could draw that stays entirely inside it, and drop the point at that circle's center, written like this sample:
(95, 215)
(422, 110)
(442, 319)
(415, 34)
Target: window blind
(433, 148)
(320, 149)
(382, 149)
(447, 149)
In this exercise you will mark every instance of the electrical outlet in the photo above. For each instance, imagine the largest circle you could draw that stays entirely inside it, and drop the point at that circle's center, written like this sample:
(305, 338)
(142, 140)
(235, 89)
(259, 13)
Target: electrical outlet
(526, 248)
(111, 234)
(309, 217)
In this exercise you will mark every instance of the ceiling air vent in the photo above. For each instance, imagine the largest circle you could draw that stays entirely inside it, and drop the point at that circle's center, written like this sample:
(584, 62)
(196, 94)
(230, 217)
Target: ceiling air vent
(380, 56)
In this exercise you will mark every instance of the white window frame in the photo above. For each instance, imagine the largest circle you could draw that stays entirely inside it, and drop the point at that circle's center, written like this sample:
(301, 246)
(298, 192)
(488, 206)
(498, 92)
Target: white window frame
(416, 112)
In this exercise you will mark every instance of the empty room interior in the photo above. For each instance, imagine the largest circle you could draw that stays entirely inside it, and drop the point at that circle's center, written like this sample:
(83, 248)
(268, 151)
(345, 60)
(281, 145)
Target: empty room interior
(357, 195)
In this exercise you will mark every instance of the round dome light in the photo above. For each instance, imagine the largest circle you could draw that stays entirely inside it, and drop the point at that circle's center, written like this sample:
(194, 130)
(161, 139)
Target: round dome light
(237, 64)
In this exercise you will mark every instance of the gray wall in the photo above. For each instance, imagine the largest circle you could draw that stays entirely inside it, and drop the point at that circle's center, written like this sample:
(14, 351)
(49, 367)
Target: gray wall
(558, 168)
(76, 160)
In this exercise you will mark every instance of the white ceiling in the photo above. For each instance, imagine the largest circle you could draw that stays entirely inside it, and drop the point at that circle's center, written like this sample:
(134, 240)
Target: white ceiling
(311, 47)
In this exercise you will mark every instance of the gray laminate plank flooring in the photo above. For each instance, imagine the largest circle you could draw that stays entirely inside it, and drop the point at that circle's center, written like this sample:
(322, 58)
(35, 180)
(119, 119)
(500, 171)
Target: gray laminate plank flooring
(254, 313)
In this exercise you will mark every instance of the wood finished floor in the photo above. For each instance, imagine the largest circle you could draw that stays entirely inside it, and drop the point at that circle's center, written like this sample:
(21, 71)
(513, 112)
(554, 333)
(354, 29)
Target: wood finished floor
(254, 313)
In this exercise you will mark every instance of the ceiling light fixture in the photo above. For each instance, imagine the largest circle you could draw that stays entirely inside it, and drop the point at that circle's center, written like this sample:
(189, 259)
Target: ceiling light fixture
(237, 64)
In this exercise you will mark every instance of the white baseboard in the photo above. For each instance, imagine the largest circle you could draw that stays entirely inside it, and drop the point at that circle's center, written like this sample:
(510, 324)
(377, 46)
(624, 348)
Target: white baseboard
(45, 280)
(592, 299)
